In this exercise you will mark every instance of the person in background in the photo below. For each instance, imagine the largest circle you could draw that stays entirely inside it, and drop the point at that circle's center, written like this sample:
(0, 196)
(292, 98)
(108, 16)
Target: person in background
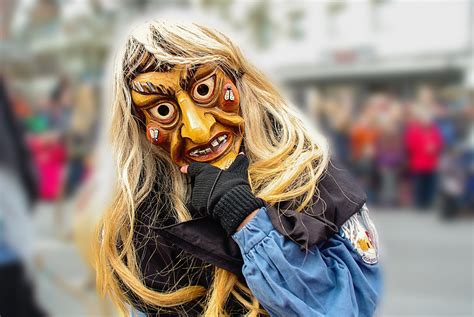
(452, 180)
(60, 107)
(443, 116)
(17, 187)
(388, 161)
(80, 136)
(47, 142)
(388, 148)
(336, 121)
(363, 138)
(466, 126)
(423, 143)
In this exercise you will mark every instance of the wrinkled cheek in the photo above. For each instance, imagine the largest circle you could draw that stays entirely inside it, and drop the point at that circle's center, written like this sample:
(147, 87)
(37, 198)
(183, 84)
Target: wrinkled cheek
(176, 148)
(230, 98)
(170, 141)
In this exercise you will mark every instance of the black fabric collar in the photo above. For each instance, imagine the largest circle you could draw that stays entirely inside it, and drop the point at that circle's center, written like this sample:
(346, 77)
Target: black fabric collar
(204, 238)
(339, 197)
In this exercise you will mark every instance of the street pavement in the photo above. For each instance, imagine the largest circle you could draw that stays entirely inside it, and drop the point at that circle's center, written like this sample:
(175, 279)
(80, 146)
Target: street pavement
(427, 264)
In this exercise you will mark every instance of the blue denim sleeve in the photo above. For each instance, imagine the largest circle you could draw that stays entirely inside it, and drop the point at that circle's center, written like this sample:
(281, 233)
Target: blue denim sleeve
(333, 280)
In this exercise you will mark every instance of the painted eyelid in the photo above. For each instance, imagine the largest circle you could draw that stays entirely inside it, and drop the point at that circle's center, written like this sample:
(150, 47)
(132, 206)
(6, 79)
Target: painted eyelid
(197, 79)
(212, 94)
(200, 81)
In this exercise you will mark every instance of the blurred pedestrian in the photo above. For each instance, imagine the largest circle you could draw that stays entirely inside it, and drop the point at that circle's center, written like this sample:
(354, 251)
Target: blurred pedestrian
(60, 107)
(389, 148)
(467, 152)
(452, 180)
(423, 142)
(48, 144)
(335, 121)
(388, 161)
(80, 136)
(16, 235)
(363, 138)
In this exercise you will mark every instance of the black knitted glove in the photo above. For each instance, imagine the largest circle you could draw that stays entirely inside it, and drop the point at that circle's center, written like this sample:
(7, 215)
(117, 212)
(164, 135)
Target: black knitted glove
(223, 194)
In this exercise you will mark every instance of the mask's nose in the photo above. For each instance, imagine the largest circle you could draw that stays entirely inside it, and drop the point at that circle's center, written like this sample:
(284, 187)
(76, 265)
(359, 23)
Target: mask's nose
(196, 124)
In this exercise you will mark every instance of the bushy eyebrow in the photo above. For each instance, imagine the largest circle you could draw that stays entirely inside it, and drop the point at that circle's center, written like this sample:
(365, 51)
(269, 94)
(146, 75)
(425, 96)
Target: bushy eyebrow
(149, 88)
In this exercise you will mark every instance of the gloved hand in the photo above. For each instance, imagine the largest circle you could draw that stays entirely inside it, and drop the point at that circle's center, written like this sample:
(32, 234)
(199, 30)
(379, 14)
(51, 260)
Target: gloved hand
(223, 194)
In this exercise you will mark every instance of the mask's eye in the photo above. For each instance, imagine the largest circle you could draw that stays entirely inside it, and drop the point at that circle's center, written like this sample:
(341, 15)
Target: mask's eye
(164, 112)
(204, 90)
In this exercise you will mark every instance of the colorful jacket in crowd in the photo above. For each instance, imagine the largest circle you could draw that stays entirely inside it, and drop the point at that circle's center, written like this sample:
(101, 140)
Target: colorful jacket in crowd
(424, 144)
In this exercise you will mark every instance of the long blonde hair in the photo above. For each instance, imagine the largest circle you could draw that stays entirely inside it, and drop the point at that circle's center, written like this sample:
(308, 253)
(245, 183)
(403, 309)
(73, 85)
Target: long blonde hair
(286, 161)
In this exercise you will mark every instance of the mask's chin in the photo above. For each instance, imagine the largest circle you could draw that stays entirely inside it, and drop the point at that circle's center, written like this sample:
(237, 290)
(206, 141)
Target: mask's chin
(226, 160)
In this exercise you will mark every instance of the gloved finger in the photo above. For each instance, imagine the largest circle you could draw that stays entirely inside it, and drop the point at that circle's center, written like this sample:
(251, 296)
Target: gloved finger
(196, 167)
(240, 165)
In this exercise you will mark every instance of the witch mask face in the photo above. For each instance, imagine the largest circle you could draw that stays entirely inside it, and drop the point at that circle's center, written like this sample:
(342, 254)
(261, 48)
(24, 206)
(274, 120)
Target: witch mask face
(193, 112)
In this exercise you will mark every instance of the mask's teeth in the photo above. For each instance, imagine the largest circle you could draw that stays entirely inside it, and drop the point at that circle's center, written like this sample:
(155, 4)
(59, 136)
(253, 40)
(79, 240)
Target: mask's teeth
(214, 144)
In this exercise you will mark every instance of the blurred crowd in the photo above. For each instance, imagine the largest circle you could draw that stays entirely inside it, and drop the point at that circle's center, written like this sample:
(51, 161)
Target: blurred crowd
(60, 129)
(406, 152)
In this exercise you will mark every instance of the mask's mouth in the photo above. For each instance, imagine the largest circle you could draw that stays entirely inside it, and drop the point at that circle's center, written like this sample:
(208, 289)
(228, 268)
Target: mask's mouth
(216, 147)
